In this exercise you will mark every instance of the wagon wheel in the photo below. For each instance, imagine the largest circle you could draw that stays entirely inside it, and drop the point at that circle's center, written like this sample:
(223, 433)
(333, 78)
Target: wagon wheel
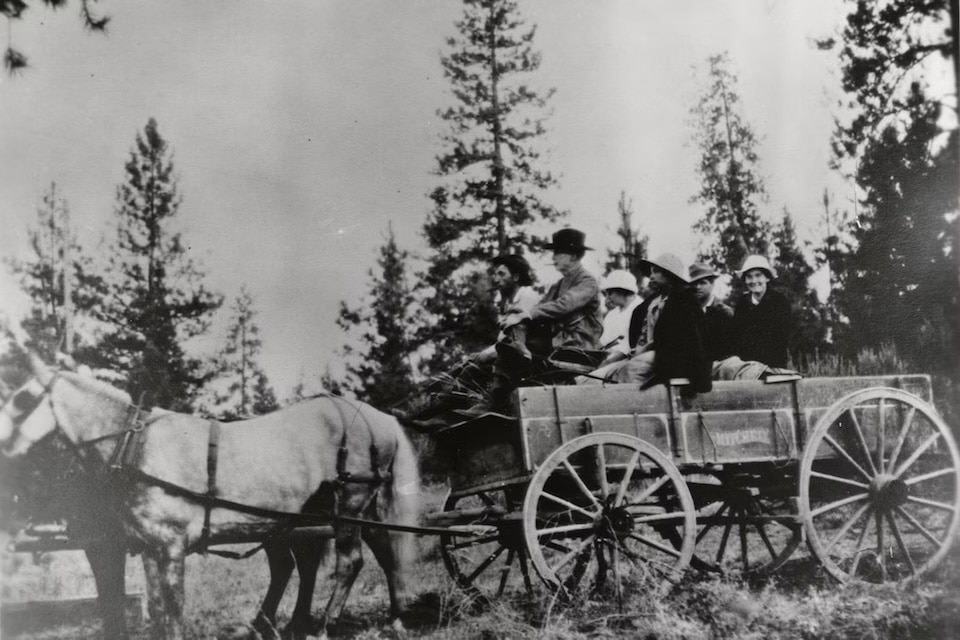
(742, 525)
(494, 560)
(600, 514)
(879, 487)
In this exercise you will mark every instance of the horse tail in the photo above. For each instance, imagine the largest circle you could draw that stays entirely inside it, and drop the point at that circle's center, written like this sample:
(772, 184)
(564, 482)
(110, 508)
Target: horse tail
(402, 504)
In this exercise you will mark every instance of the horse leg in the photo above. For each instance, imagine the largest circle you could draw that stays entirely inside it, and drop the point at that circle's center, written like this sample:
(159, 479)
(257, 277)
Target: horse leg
(308, 553)
(389, 550)
(281, 560)
(155, 599)
(349, 563)
(167, 569)
(108, 561)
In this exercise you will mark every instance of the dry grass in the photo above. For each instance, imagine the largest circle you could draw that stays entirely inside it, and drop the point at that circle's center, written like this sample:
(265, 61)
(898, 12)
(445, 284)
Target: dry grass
(797, 603)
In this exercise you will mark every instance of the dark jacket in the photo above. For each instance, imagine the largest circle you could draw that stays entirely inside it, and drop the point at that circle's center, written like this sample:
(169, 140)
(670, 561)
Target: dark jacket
(719, 333)
(763, 330)
(571, 307)
(677, 340)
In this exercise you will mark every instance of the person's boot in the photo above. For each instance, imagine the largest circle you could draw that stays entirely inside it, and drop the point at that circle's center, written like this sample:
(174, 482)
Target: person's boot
(495, 400)
(516, 351)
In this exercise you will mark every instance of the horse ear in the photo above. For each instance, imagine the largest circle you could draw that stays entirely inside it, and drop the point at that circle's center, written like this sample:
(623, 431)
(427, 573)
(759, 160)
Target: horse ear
(39, 368)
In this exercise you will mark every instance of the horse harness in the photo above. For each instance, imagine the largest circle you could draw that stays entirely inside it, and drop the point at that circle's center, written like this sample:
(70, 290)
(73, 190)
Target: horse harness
(130, 442)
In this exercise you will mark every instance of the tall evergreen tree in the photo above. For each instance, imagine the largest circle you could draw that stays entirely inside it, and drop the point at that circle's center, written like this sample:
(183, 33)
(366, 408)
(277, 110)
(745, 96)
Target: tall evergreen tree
(156, 298)
(248, 389)
(731, 188)
(897, 282)
(379, 368)
(59, 269)
(633, 249)
(793, 278)
(491, 170)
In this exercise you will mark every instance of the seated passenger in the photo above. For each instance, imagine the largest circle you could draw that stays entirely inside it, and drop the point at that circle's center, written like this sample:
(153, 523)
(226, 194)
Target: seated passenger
(569, 313)
(620, 290)
(717, 330)
(513, 280)
(762, 317)
(673, 345)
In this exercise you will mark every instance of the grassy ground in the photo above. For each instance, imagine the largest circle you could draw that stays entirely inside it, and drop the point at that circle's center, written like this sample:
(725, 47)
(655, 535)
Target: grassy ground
(798, 602)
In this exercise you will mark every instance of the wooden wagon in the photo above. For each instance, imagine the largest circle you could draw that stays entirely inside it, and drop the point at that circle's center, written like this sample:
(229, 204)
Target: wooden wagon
(597, 486)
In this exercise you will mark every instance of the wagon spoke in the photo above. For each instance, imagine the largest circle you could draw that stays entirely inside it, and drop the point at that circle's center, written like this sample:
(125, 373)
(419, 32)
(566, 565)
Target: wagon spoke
(742, 530)
(762, 531)
(571, 555)
(916, 454)
(472, 542)
(486, 563)
(627, 474)
(861, 438)
(648, 491)
(895, 528)
(881, 435)
(580, 484)
(859, 547)
(840, 479)
(569, 505)
(930, 476)
(565, 529)
(659, 517)
(846, 456)
(943, 506)
(505, 573)
(654, 544)
(881, 546)
(525, 570)
(708, 527)
(722, 549)
(839, 503)
(852, 520)
(922, 530)
(602, 471)
(902, 437)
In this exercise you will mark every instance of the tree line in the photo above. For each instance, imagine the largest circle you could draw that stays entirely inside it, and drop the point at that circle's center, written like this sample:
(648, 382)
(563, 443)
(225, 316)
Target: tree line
(890, 253)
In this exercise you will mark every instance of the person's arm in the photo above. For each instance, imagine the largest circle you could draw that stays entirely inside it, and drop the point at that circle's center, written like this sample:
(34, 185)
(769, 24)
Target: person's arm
(582, 292)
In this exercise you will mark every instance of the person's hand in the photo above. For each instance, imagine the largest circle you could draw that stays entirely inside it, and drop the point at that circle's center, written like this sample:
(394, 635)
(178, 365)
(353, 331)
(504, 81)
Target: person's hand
(514, 319)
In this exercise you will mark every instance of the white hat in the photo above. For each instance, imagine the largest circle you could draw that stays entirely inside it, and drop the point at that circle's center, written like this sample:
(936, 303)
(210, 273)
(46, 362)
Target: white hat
(757, 262)
(620, 279)
(671, 264)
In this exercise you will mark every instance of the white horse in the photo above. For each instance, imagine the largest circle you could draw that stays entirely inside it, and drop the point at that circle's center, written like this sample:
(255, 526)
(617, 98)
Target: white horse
(328, 457)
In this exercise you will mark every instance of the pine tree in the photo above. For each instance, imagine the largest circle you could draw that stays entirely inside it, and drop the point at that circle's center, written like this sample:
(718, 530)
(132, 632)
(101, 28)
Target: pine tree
(379, 370)
(156, 298)
(897, 279)
(59, 268)
(731, 187)
(491, 173)
(634, 247)
(793, 278)
(248, 389)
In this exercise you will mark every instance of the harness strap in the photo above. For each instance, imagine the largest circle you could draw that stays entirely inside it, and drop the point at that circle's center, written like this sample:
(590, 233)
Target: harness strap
(212, 456)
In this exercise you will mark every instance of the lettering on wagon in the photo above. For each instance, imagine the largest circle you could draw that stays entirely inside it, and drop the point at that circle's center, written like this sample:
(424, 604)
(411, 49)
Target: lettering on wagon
(741, 436)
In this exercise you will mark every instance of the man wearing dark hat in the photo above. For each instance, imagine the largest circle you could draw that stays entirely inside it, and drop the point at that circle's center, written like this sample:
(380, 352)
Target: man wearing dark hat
(569, 312)
(719, 337)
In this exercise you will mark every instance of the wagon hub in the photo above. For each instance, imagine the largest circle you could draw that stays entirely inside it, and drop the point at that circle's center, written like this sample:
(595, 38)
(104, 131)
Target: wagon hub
(888, 492)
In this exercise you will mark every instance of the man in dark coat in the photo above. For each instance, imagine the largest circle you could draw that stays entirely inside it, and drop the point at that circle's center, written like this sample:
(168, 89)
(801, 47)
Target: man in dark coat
(674, 345)
(719, 337)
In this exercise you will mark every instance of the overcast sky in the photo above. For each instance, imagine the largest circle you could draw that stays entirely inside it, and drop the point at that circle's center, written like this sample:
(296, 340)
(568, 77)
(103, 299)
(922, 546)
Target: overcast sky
(300, 130)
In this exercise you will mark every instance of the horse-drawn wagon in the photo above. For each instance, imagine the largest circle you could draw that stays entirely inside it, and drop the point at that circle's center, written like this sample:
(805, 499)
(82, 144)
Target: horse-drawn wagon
(589, 487)
(597, 486)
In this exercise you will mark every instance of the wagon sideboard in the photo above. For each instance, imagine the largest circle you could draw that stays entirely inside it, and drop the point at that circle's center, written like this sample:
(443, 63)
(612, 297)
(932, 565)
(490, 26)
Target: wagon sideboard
(736, 422)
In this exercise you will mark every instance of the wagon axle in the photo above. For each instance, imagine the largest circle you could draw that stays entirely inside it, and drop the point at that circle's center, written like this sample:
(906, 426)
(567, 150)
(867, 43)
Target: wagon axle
(888, 492)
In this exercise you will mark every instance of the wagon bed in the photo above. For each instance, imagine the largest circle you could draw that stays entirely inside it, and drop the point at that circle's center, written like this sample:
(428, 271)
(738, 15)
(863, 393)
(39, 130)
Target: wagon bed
(861, 468)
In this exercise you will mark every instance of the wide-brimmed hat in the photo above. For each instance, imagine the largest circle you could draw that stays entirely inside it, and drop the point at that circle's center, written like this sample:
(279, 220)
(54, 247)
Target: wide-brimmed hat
(669, 263)
(517, 265)
(619, 279)
(757, 262)
(568, 240)
(699, 271)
